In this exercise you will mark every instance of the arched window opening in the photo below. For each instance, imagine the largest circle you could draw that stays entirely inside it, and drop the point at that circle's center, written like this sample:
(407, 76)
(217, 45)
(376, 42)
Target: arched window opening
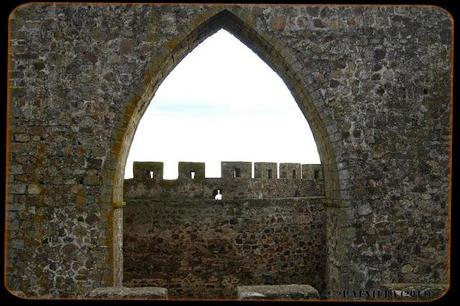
(223, 92)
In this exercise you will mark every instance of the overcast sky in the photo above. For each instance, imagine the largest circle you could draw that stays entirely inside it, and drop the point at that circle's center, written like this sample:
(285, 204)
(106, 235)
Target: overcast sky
(222, 103)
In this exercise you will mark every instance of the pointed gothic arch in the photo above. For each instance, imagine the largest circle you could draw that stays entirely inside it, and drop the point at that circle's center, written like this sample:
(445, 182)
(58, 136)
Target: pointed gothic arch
(273, 54)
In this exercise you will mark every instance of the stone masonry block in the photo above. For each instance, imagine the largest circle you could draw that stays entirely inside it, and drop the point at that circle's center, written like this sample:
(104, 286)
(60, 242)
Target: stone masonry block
(191, 170)
(129, 293)
(18, 188)
(236, 169)
(147, 170)
(312, 172)
(290, 170)
(277, 292)
(265, 170)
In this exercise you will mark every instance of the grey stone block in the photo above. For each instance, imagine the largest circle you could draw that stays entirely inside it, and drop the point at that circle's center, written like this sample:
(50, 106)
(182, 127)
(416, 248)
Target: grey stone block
(237, 169)
(265, 170)
(277, 292)
(129, 293)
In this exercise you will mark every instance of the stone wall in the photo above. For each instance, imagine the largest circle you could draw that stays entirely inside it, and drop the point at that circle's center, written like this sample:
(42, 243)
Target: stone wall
(263, 231)
(372, 81)
(206, 248)
(148, 182)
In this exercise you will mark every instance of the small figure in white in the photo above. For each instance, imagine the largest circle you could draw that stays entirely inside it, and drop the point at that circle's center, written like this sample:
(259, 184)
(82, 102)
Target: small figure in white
(218, 196)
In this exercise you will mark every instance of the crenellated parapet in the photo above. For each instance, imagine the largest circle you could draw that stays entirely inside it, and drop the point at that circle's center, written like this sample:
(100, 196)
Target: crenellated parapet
(237, 169)
(265, 170)
(236, 181)
(191, 170)
(233, 170)
(312, 172)
(290, 171)
(148, 170)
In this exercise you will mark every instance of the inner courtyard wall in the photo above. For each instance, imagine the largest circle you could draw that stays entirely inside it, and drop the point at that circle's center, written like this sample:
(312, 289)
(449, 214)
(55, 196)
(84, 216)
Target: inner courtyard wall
(148, 182)
(202, 248)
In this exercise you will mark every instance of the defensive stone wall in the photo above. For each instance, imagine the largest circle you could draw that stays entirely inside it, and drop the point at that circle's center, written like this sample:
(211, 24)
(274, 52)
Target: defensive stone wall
(265, 230)
(236, 181)
(206, 248)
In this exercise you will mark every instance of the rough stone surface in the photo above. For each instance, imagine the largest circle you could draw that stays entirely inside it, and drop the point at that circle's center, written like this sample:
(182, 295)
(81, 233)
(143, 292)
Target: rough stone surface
(265, 170)
(277, 292)
(129, 293)
(240, 169)
(143, 185)
(204, 248)
(373, 83)
(290, 170)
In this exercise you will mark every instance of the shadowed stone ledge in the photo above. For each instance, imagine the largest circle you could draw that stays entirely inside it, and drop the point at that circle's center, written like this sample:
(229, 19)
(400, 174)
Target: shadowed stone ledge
(277, 292)
(129, 293)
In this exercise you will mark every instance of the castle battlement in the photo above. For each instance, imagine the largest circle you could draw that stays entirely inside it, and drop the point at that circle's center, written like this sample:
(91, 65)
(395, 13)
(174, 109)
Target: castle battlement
(236, 181)
(231, 170)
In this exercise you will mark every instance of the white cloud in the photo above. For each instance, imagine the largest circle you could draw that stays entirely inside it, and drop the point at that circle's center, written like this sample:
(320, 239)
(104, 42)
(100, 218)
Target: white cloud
(222, 102)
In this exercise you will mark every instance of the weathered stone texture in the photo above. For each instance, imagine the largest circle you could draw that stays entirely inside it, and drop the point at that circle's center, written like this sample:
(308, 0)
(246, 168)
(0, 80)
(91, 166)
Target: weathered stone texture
(277, 292)
(206, 248)
(143, 185)
(186, 169)
(240, 169)
(230, 188)
(373, 83)
(122, 293)
(265, 170)
(148, 170)
(290, 171)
